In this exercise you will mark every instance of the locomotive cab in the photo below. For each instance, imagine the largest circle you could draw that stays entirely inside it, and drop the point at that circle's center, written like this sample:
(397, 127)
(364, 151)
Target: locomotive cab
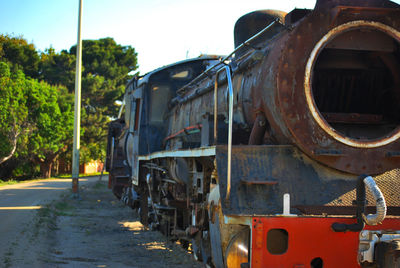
(159, 88)
(144, 119)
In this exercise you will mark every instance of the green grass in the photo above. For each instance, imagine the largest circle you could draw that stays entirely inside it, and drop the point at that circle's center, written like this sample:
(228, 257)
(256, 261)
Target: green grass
(46, 218)
(10, 182)
(45, 212)
(62, 176)
(47, 215)
(99, 186)
(63, 208)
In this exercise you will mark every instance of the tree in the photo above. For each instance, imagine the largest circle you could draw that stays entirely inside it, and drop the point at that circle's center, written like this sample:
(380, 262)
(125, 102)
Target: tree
(36, 99)
(106, 68)
(13, 110)
(51, 115)
(36, 115)
(106, 71)
(20, 55)
(58, 68)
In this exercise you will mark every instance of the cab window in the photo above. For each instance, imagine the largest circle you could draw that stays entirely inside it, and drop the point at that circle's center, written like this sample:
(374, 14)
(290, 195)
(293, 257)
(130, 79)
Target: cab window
(160, 95)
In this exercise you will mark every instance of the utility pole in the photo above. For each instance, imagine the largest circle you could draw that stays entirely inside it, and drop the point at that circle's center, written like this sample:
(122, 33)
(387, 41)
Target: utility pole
(77, 117)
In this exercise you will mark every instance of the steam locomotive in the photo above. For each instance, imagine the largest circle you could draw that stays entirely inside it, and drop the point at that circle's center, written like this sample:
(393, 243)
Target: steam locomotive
(285, 153)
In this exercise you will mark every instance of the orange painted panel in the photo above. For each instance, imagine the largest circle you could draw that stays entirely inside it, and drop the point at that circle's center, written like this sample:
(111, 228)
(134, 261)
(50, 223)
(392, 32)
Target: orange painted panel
(309, 238)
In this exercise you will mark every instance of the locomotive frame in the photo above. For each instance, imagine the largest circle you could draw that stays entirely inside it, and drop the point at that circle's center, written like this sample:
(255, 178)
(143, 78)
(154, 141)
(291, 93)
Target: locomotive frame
(258, 158)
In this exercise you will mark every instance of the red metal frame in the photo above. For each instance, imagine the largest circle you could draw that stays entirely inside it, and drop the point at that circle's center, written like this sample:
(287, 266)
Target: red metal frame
(309, 238)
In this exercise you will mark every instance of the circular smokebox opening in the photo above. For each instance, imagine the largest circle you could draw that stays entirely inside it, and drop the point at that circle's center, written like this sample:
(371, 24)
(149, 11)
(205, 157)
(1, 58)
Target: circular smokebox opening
(353, 84)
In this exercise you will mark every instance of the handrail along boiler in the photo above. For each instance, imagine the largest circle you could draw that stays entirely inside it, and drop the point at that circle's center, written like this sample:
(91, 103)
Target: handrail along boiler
(285, 153)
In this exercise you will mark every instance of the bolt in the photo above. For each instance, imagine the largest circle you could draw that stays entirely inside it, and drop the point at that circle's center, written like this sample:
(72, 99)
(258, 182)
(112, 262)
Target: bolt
(364, 234)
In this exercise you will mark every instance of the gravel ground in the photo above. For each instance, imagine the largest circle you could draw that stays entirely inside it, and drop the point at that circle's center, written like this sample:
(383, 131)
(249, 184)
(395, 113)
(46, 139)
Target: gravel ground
(94, 231)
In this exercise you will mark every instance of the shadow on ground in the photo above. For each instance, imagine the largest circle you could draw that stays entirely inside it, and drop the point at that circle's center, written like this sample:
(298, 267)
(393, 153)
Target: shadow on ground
(98, 231)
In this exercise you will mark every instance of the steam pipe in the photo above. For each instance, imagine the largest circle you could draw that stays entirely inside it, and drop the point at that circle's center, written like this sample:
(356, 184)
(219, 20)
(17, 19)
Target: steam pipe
(371, 219)
(230, 122)
(374, 219)
(149, 180)
(258, 130)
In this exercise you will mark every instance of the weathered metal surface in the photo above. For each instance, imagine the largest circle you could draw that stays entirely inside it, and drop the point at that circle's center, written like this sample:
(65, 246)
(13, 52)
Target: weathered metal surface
(358, 4)
(232, 219)
(342, 210)
(313, 188)
(288, 103)
(198, 152)
(276, 79)
(309, 95)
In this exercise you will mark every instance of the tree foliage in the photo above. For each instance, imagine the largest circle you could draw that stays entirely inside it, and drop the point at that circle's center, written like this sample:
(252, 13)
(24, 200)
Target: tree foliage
(58, 68)
(51, 114)
(34, 115)
(36, 98)
(20, 55)
(106, 67)
(13, 110)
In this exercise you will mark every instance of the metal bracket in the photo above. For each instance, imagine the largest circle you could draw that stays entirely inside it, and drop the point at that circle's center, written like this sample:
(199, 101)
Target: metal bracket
(112, 153)
(368, 239)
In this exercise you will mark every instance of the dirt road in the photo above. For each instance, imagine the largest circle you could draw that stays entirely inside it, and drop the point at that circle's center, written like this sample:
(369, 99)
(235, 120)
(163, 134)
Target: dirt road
(20, 203)
(95, 231)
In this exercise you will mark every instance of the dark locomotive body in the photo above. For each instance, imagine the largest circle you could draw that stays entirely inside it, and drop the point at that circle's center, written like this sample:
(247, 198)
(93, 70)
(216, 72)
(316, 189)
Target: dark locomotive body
(257, 158)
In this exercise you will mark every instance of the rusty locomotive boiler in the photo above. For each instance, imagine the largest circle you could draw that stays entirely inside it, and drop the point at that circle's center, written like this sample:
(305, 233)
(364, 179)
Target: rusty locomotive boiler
(285, 153)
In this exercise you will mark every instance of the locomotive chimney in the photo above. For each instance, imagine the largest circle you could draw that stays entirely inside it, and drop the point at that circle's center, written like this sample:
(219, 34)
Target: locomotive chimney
(252, 23)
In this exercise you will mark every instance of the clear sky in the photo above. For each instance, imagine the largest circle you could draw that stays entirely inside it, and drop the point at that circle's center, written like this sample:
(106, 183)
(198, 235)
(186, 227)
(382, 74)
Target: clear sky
(161, 31)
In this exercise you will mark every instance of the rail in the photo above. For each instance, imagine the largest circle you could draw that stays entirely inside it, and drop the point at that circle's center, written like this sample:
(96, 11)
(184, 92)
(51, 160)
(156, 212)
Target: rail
(230, 122)
(222, 61)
